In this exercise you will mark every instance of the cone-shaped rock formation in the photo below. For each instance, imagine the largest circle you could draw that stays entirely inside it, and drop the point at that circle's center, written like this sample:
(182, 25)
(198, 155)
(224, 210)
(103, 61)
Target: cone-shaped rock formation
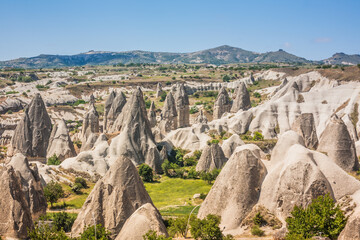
(242, 99)
(212, 157)
(222, 103)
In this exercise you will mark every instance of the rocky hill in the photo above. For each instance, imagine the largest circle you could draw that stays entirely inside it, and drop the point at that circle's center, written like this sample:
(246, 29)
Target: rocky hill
(342, 58)
(219, 55)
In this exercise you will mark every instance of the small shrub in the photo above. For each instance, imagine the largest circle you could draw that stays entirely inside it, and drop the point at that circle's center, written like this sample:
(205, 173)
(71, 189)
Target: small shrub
(210, 176)
(63, 220)
(259, 220)
(178, 226)
(54, 160)
(257, 95)
(256, 231)
(44, 231)
(203, 196)
(76, 188)
(163, 96)
(152, 235)
(146, 173)
(81, 181)
(193, 110)
(207, 229)
(89, 233)
(258, 136)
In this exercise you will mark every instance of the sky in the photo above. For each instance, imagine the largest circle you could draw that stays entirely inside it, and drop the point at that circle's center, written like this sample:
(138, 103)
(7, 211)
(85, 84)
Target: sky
(314, 29)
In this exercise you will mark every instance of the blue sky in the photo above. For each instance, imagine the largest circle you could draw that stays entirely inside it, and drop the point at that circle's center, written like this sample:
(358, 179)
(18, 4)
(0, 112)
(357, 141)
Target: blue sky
(314, 29)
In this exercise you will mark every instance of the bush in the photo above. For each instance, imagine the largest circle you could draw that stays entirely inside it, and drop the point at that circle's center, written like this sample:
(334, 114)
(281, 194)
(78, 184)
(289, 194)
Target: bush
(256, 231)
(54, 160)
(258, 136)
(210, 176)
(207, 229)
(53, 192)
(81, 181)
(226, 78)
(163, 96)
(89, 233)
(152, 235)
(193, 110)
(320, 216)
(259, 220)
(76, 188)
(178, 226)
(147, 103)
(146, 173)
(257, 95)
(63, 221)
(44, 231)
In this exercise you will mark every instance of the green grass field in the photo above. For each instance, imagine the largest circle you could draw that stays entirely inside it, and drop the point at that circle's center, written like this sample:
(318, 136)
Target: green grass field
(173, 196)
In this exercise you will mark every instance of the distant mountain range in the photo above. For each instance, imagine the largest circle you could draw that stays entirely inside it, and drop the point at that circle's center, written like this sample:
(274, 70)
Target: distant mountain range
(219, 55)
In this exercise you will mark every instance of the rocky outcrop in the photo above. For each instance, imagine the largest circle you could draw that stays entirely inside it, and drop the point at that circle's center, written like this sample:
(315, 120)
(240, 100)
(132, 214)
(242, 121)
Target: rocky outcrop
(15, 214)
(92, 161)
(182, 106)
(31, 136)
(115, 109)
(135, 140)
(201, 118)
(304, 125)
(222, 103)
(31, 185)
(169, 120)
(230, 144)
(159, 90)
(12, 104)
(144, 219)
(295, 180)
(352, 227)
(107, 106)
(114, 199)
(90, 121)
(236, 189)
(242, 99)
(152, 115)
(60, 142)
(336, 142)
(212, 157)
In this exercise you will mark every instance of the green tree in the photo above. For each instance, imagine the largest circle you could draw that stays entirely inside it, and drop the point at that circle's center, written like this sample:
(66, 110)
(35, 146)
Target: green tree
(321, 216)
(146, 173)
(89, 233)
(162, 96)
(76, 188)
(226, 78)
(152, 235)
(44, 231)
(54, 160)
(206, 229)
(52, 192)
(63, 221)
(178, 226)
(81, 181)
(210, 176)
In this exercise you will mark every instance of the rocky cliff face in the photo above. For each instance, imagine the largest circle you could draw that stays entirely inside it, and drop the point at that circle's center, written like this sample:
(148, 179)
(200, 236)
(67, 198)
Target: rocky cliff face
(90, 121)
(236, 189)
(31, 136)
(114, 199)
(31, 185)
(135, 140)
(15, 214)
(222, 103)
(152, 115)
(242, 99)
(182, 106)
(60, 142)
(212, 157)
(144, 219)
(169, 120)
(337, 143)
(115, 109)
